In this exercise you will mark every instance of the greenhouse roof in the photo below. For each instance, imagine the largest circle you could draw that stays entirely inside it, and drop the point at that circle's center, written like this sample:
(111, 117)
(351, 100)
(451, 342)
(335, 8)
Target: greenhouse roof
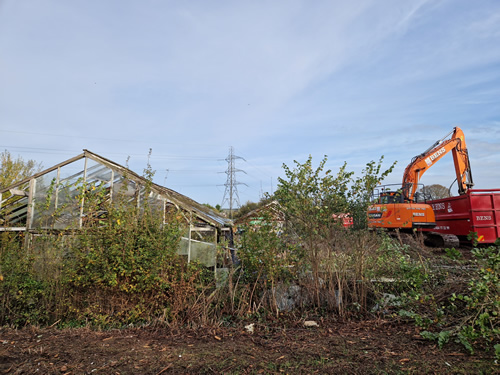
(93, 169)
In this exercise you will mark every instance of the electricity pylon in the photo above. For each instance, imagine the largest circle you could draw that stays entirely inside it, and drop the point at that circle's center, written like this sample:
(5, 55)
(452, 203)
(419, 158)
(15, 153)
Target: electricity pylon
(231, 192)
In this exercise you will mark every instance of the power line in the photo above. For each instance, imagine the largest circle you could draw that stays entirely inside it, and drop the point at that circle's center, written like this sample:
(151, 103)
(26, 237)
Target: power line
(231, 192)
(54, 151)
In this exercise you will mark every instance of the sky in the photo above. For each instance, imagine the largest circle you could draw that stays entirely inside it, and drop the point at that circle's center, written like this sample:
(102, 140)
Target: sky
(276, 81)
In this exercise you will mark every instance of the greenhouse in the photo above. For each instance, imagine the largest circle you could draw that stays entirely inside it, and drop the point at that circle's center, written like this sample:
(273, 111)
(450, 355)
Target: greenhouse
(56, 200)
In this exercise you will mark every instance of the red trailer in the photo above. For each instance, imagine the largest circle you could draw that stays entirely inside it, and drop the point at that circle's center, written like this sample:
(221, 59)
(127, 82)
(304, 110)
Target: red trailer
(476, 211)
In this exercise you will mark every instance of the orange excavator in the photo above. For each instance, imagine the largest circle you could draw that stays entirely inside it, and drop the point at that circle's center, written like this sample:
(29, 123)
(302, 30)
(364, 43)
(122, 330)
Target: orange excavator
(405, 208)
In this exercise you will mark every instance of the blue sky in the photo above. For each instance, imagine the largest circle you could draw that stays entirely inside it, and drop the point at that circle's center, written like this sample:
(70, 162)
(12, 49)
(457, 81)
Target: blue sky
(276, 80)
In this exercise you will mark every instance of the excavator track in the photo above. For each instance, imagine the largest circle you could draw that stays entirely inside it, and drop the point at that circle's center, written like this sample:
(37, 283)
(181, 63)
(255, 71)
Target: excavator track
(435, 239)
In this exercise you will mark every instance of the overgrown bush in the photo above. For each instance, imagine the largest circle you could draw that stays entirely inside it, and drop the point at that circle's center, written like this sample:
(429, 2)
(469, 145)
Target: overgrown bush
(129, 263)
(268, 261)
(314, 202)
(22, 295)
(121, 267)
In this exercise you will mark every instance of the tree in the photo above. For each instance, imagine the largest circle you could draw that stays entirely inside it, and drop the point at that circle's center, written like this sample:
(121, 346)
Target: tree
(436, 191)
(313, 198)
(14, 170)
(310, 197)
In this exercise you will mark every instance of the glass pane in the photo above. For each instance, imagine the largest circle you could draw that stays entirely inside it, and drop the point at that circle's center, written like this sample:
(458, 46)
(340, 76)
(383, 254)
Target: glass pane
(44, 204)
(124, 189)
(205, 234)
(14, 211)
(203, 252)
(183, 246)
(66, 212)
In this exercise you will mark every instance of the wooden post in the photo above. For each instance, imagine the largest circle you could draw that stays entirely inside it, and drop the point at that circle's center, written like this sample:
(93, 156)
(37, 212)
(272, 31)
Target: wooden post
(29, 212)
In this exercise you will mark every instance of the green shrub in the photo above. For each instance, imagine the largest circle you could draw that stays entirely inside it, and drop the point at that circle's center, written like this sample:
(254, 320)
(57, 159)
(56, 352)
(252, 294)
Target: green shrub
(130, 263)
(267, 259)
(314, 201)
(24, 298)
(121, 267)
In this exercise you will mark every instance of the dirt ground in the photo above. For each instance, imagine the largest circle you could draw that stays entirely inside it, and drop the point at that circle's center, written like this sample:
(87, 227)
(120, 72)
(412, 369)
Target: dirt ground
(368, 347)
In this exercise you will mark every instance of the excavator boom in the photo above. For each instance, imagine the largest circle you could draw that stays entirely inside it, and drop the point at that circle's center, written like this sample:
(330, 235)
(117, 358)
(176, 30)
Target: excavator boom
(421, 163)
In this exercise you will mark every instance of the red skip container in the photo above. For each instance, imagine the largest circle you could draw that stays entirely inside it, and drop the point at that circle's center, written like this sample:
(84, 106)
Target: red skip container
(477, 211)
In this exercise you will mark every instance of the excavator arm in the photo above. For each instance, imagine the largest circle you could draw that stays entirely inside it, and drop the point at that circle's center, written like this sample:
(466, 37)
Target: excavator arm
(421, 163)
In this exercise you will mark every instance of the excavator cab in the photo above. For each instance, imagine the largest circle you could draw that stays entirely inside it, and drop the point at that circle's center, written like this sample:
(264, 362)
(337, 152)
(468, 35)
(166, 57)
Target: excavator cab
(391, 197)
